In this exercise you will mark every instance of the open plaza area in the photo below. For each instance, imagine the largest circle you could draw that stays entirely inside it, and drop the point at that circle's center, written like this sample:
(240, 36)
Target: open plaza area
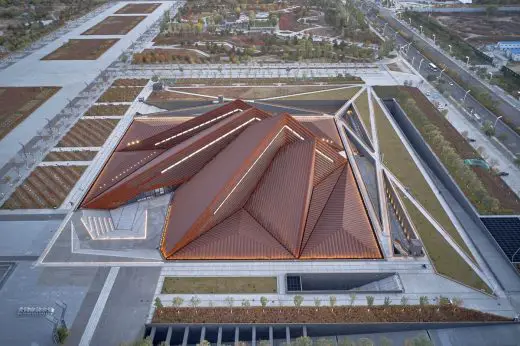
(274, 200)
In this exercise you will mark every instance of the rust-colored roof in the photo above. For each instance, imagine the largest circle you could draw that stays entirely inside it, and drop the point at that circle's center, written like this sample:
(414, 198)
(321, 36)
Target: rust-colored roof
(250, 186)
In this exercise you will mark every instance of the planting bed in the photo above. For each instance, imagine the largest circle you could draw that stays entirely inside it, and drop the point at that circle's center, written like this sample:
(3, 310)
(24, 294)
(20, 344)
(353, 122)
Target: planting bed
(46, 187)
(103, 110)
(495, 187)
(70, 156)
(74, 49)
(341, 314)
(88, 133)
(337, 94)
(16, 104)
(168, 56)
(269, 81)
(118, 94)
(130, 82)
(246, 93)
(361, 104)
(218, 285)
(115, 25)
(138, 8)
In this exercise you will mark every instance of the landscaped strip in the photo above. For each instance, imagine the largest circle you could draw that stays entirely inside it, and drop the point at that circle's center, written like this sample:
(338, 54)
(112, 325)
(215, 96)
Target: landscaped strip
(401, 164)
(361, 103)
(88, 133)
(46, 187)
(218, 285)
(82, 155)
(119, 94)
(75, 49)
(17, 103)
(106, 110)
(340, 314)
(445, 259)
(335, 94)
(487, 192)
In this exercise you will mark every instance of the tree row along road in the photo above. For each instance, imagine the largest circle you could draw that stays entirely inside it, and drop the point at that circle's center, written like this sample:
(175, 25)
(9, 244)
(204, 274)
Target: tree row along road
(503, 108)
(508, 136)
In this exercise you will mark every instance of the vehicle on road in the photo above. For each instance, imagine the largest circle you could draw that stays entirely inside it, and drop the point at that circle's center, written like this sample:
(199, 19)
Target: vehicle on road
(433, 67)
(503, 174)
(141, 99)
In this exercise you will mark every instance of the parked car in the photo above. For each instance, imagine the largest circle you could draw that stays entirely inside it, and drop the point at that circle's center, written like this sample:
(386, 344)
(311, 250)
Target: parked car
(141, 99)
(503, 174)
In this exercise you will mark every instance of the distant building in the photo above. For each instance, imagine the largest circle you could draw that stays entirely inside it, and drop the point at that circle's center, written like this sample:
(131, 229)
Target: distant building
(262, 16)
(503, 45)
(513, 54)
(466, 2)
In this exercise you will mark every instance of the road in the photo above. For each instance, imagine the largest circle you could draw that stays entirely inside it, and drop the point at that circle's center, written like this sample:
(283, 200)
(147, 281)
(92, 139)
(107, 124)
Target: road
(508, 137)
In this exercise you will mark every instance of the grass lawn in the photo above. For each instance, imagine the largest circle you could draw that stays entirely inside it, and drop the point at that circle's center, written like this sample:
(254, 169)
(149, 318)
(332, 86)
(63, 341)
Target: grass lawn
(398, 160)
(338, 94)
(217, 285)
(364, 113)
(445, 259)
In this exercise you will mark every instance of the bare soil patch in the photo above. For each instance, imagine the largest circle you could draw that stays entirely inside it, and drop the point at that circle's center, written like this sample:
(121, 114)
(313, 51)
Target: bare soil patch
(16, 104)
(119, 95)
(288, 21)
(46, 187)
(115, 25)
(479, 28)
(104, 110)
(341, 314)
(74, 49)
(130, 82)
(88, 133)
(218, 285)
(138, 8)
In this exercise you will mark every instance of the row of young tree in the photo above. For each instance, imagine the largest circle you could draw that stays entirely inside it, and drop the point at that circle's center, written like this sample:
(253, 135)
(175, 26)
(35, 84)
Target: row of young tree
(298, 301)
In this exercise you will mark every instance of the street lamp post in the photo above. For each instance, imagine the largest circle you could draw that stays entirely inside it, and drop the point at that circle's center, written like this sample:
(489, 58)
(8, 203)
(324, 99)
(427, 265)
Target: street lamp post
(465, 95)
(450, 47)
(420, 27)
(491, 76)
(496, 121)
(440, 74)
(433, 38)
(420, 63)
(410, 20)
(413, 58)
(467, 60)
(384, 28)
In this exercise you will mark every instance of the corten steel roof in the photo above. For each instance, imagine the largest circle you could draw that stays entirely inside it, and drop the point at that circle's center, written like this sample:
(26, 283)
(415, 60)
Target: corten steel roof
(252, 186)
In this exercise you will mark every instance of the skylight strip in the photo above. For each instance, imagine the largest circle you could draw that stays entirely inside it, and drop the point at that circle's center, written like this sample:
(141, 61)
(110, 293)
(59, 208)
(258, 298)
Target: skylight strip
(198, 126)
(325, 156)
(209, 144)
(250, 168)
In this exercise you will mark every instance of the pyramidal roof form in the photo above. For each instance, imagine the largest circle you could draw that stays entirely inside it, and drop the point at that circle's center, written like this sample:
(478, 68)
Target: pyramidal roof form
(249, 186)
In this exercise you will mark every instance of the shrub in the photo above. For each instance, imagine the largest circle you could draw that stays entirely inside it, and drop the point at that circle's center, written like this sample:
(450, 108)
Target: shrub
(332, 301)
(62, 333)
(324, 342)
(456, 301)
(444, 301)
(264, 301)
(384, 341)
(387, 301)
(419, 341)
(158, 303)
(404, 301)
(352, 298)
(230, 301)
(365, 342)
(370, 300)
(194, 301)
(303, 341)
(298, 300)
(423, 301)
(204, 343)
(346, 342)
(317, 302)
(246, 303)
(177, 301)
